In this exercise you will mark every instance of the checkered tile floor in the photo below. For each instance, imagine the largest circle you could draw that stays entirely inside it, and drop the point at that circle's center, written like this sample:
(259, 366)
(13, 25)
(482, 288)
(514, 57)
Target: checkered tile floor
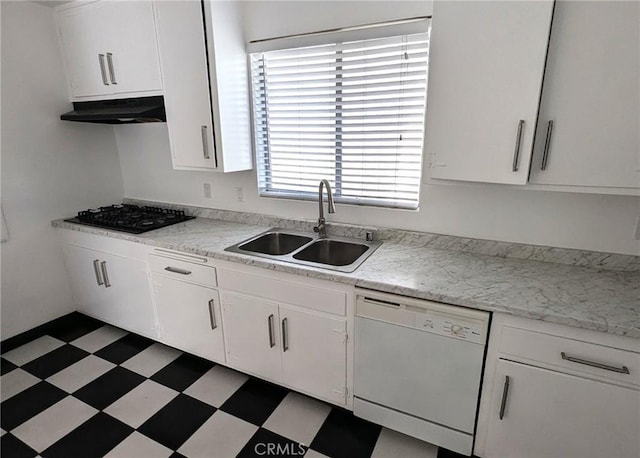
(92, 390)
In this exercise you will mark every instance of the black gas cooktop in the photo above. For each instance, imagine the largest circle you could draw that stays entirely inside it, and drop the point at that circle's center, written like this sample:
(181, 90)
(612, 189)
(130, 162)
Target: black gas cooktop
(130, 218)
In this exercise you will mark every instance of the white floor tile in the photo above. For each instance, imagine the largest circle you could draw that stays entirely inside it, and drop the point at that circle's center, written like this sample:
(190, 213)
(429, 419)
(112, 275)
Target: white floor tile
(54, 423)
(14, 382)
(99, 338)
(217, 385)
(79, 374)
(139, 446)
(151, 360)
(392, 444)
(32, 350)
(298, 417)
(138, 405)
(222, 435)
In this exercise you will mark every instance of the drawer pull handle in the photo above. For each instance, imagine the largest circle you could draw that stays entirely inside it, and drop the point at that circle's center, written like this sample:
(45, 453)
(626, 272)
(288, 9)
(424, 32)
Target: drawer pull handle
(205, 142)
(176, 270)
(272, 342)
(516, 152)
(96, 269)
(586, 362)
(285, 336)
(212, 315)
(105, 274)
(505, 394)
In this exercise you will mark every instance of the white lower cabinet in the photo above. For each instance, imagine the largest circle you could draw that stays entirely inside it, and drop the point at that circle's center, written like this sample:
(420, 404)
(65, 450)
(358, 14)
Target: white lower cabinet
(314, 353)
(252, 335)
(553, 391)
(301, 349)
(550, 414)
(289, 330)
(112, 288)
(189, 317)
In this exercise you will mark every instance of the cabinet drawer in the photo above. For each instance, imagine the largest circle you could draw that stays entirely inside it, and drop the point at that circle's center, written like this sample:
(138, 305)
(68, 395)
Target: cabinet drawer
(573, 355)
(183, 270)
(323, 300)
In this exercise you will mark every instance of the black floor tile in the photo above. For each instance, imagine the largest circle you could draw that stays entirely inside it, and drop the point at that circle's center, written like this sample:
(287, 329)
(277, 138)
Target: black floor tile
(182, 372)
(54, 361)
(12, 447)
(6, 366)
(343, 435)
(444, 453)
(74, 326)
(109, 387)
(124, 348)
(255, 401)
(177, 421)
(94, 438)
(176, 455)
(267, 443)
(21, 407)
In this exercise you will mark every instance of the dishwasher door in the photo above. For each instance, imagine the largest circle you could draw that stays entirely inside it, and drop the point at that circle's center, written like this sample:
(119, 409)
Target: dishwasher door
(417, 371)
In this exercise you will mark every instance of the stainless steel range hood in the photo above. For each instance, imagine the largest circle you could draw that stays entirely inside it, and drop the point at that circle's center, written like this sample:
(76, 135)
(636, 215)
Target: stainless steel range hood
(118, 111)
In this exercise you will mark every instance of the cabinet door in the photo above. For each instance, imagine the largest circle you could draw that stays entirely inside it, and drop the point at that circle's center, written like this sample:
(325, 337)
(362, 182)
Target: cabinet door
(314, 358)
(591, 94)
(549, 414)
(87, 284)
(186, 84)
(111, 288)
(252, 335)
(131, 46)
(486, 63)
(189, 317)
(128, 296)
(82, 33)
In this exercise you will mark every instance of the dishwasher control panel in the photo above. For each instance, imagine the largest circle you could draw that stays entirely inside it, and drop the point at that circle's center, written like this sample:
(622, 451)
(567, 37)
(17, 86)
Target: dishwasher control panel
(452, 326)
(433, 317)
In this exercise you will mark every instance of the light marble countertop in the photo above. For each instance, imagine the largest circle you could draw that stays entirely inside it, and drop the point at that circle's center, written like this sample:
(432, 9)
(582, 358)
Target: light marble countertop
(585, 297)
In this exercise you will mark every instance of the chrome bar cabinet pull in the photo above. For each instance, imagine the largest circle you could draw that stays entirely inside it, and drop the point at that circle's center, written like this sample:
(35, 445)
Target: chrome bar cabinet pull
(212, 315)
(285, 335)
(505, 394)
(103, 70)
(205, 142)
(547, 143)
(105, 275)
(516, 152)
(177, 270)
(586, 362)
(272, 342)
(112, 72)
(96, 270)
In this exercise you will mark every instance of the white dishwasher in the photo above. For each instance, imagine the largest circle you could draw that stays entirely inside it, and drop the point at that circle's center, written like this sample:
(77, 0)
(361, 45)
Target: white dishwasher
(418, 367)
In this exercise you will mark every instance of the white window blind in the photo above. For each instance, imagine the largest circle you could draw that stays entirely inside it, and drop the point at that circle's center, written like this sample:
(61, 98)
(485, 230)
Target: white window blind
(351, 112)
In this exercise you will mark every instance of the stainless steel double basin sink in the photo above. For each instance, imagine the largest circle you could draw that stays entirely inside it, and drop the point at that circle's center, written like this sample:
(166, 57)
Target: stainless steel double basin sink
(335, 253)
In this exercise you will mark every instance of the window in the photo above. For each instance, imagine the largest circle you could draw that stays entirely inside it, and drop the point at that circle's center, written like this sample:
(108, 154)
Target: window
(349, 110)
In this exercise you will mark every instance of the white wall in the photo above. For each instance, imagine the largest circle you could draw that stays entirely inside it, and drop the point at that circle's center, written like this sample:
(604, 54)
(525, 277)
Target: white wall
(584, 221)
(50, 168)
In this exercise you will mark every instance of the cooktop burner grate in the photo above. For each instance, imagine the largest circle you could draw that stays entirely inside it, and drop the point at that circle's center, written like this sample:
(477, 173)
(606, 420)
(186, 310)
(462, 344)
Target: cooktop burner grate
(130, 218)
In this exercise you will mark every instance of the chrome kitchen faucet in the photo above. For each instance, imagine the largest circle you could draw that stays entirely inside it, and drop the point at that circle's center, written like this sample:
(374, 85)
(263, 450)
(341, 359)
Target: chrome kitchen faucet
(321, 228)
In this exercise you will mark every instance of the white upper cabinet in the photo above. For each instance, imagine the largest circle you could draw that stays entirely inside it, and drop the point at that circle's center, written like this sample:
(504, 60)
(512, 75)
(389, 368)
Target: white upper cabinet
(486, 67)
(206, 94)
(591, 98)
(110, 49)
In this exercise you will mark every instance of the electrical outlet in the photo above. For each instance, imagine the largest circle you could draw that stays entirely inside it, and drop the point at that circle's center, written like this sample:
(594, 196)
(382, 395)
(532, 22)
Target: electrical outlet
(239, 194)
(206, 187)
(637, 234)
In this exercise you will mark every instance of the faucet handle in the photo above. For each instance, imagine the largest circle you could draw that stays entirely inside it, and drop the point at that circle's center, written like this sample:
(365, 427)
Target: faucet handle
(316, 228)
